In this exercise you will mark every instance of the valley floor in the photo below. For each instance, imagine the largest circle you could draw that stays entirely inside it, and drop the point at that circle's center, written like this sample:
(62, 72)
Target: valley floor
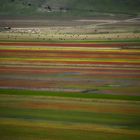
(70, 82)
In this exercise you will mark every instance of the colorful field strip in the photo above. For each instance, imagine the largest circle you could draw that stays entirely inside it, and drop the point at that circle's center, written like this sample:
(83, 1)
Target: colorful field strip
(69, 91)
(119, 61)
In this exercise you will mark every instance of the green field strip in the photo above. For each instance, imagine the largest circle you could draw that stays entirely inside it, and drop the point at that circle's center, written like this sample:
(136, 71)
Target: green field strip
(27, 130)
(111, 119)
(71, 41)
(68, 94)
(130, 108)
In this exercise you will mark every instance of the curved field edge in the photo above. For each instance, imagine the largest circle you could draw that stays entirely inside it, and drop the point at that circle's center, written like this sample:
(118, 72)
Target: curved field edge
(68, 94)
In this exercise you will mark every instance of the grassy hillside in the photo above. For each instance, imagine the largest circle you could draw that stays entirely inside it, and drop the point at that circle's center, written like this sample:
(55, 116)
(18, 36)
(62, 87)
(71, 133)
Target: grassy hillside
(50, 8)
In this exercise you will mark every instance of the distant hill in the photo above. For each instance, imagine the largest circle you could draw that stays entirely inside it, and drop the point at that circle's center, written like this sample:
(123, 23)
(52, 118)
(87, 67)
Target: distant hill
(68, 8)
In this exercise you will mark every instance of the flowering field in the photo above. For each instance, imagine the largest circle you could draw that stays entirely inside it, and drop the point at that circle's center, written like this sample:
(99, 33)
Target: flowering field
(79, 91)
(93, 68)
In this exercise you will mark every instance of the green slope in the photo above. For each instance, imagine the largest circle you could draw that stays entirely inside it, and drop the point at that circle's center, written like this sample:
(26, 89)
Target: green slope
(68, 8)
